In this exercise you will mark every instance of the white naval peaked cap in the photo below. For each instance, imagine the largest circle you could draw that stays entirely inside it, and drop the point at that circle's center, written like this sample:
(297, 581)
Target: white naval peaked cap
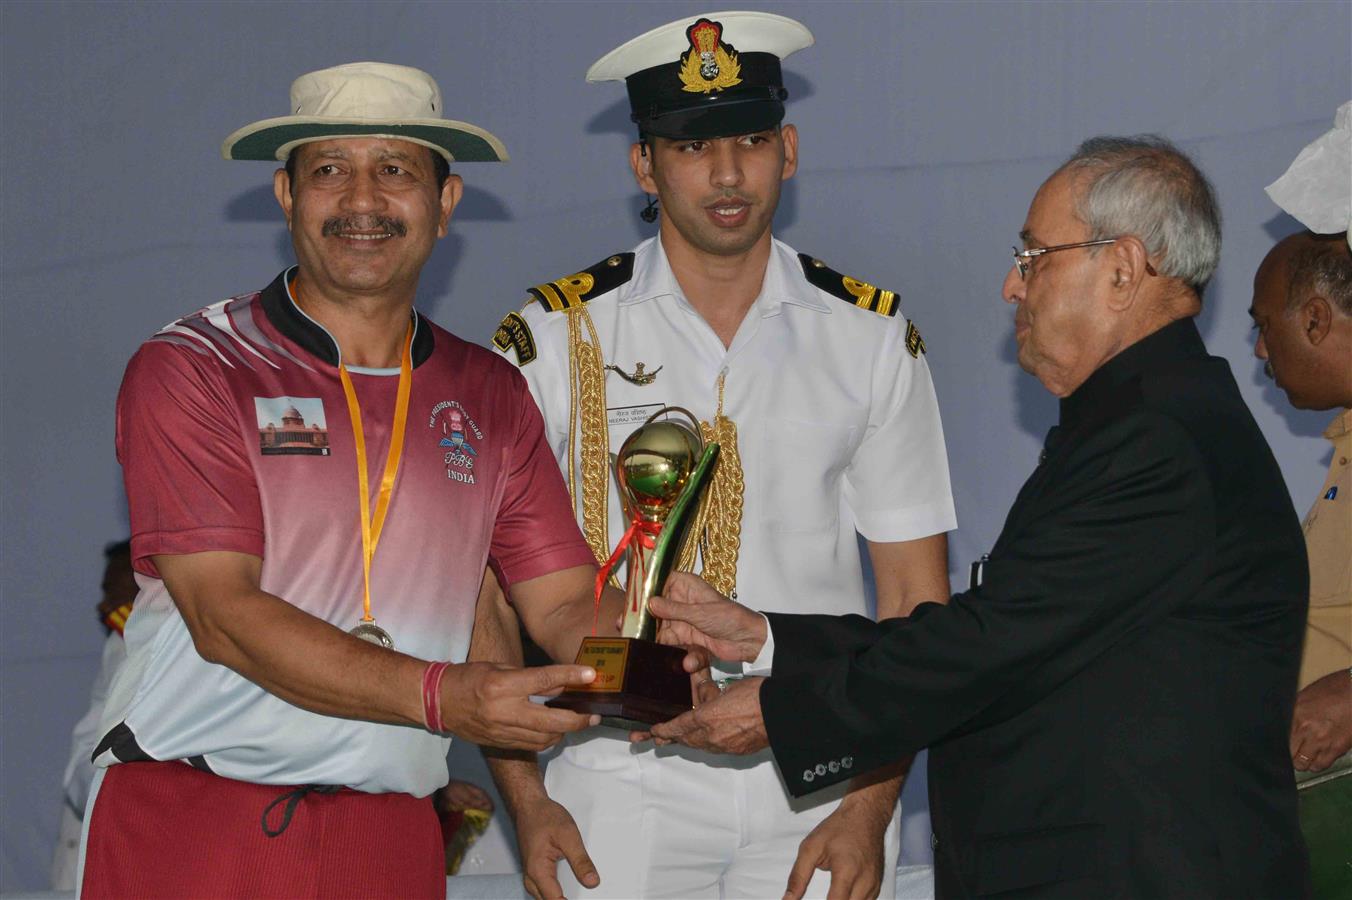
(365, 99)
(708, 75)
(747, 30)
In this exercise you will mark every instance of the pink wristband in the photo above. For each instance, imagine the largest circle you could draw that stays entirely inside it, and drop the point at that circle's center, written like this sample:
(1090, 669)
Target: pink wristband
(431, 695)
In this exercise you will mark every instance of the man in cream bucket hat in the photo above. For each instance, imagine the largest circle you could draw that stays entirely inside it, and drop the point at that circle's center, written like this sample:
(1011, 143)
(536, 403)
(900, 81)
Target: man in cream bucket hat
(291, 678)
(365, 99)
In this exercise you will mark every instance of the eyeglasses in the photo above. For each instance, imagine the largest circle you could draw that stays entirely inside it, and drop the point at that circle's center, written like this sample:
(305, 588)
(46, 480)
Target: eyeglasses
(1023, 259)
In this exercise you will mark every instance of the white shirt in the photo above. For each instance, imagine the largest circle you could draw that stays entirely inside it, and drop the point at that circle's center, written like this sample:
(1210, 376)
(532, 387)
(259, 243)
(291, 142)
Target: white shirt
(80, 769)
(838, 426)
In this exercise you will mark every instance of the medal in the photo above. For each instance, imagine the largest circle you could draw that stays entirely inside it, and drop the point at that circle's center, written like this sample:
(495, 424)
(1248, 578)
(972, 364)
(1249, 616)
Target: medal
(372, 633)
(371, 525)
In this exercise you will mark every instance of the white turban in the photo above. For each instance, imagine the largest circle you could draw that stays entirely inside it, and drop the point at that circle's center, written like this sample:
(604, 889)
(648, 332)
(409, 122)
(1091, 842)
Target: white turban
(1317, 188)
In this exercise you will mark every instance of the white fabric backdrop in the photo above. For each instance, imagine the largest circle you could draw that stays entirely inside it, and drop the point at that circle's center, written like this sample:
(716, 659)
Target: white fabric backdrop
(926, 127)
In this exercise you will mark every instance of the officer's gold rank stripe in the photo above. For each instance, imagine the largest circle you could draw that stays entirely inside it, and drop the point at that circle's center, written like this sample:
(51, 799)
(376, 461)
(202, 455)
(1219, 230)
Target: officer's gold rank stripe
(868, 297)
(574, 290)
(549, 295)
(851, 290)
(886, 300)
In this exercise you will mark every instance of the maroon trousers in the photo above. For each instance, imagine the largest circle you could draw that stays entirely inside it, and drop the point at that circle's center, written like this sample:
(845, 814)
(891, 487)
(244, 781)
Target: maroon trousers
(169, 830)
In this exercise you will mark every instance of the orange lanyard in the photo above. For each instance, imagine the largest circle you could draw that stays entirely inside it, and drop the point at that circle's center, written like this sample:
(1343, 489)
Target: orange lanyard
(371, 525)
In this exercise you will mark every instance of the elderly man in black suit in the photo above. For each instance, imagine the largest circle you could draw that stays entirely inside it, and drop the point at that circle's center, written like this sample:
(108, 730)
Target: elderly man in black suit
(1107, 707)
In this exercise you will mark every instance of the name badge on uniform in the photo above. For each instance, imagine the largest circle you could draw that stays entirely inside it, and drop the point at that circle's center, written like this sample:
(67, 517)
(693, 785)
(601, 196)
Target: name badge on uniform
(630, 417)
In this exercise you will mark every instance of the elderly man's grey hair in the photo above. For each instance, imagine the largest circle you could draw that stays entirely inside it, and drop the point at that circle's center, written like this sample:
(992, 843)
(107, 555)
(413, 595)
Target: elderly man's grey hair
(1146, 187)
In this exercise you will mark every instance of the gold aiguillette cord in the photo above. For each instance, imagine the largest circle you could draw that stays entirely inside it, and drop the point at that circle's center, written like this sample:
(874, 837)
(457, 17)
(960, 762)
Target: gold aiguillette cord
(371, 526)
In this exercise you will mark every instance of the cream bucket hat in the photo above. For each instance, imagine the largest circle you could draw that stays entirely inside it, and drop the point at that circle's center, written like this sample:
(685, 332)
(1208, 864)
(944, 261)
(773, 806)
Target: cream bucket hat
(365, 99)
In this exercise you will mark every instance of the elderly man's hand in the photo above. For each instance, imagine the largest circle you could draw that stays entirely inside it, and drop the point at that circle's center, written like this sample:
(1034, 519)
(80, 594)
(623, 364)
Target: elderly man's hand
(693, 614)
(1321, 729)
(731, 723)
(703, 689)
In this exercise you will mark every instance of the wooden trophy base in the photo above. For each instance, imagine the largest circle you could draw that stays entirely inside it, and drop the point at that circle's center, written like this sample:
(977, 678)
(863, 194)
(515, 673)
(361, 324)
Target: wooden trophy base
(638, 683)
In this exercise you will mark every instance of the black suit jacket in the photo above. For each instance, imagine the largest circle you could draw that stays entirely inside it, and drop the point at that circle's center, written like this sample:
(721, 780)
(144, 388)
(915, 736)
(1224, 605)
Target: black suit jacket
(1108, 711)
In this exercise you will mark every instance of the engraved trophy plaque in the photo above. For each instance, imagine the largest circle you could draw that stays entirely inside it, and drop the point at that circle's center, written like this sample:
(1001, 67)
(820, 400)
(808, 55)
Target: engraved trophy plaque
(662, 470)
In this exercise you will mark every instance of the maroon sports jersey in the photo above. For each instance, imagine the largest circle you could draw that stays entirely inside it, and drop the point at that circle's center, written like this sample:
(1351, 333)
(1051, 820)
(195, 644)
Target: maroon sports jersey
(234, 434)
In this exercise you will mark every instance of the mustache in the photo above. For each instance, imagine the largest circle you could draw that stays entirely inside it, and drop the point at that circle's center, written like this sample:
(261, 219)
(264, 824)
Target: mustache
(340, 224)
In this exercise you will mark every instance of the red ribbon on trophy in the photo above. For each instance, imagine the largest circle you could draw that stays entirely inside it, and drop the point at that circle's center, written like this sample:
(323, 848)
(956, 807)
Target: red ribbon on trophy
(640, 532)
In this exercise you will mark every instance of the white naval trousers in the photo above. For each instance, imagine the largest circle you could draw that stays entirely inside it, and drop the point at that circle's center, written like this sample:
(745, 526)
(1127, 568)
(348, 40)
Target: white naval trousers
(666, 823)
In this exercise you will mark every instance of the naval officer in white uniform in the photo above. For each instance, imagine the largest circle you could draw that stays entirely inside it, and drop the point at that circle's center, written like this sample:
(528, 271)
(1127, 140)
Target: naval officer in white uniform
(816, 386)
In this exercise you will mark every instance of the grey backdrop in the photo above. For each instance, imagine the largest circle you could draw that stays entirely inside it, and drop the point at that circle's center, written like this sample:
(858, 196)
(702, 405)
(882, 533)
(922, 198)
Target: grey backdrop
(926, 127)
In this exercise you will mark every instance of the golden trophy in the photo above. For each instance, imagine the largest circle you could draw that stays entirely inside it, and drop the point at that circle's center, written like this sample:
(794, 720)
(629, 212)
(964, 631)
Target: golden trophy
(662, 469)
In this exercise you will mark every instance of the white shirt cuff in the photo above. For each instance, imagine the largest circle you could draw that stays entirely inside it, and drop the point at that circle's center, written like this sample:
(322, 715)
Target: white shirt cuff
(764, 661)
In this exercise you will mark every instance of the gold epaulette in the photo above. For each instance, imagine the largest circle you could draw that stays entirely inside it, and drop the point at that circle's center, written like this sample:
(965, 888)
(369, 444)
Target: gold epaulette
(856, 293)
(567, 293)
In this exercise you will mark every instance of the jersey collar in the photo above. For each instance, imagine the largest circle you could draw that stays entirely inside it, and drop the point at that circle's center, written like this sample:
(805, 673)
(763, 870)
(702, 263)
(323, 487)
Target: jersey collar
(313, 338)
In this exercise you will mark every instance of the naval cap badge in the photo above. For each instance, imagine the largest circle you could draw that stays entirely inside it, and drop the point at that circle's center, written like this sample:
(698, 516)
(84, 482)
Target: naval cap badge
(709, 64)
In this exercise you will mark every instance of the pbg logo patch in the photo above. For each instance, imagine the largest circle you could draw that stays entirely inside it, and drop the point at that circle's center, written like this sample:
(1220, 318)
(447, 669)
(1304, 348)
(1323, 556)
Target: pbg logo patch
(459, 437)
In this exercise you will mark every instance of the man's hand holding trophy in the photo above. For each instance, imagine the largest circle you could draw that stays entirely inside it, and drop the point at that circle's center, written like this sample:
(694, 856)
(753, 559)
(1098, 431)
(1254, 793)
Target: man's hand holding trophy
(707, 624)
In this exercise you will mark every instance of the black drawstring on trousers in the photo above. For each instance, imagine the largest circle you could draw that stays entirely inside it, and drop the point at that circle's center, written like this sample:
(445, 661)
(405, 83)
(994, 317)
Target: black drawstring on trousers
(292, 800)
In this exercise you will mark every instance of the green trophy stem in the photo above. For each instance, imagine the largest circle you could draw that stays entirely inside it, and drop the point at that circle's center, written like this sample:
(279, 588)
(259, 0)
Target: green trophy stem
(657, 564)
